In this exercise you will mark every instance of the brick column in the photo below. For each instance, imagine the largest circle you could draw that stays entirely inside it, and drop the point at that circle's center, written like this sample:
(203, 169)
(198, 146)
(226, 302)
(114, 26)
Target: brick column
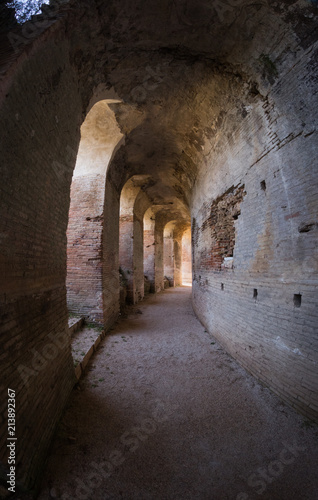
(149, 248)
(178, 257)
(159, 275)
(126, 253)
(111, 287)
(168, 255)
(186, 257)
(138, 261)
(133, 203)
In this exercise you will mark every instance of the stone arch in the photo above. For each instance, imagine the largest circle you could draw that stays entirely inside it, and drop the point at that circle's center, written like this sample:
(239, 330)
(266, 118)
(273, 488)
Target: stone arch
(176, 256)
(99, 138)
(133, 202)
(33, 261)
(213, 104)
(45, 135)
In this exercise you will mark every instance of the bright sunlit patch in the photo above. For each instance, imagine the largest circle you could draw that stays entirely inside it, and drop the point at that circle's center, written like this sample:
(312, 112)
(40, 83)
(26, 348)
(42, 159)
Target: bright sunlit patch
(25, 9)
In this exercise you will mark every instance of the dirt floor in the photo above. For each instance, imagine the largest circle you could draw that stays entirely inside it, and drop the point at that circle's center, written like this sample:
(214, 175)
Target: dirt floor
(163, 413)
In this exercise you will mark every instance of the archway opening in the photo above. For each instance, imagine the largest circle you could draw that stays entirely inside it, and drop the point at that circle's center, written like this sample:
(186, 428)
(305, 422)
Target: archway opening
(99, 137)
(133, 202)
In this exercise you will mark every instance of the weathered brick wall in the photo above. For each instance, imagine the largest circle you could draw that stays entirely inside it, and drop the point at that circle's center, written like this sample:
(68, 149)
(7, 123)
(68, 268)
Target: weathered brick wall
(178, 261)
(110, 282)
(257, 131)
(142, 203)
(84, 247)
(126, 253)
(138, 258)
(253, 308)
(131, 255)
(149, 248)
(177, 235)
(186, 257)
(99, 137)
(159, 268)
(35, 350)
(168, 255)
(218, 229)
(133, 203)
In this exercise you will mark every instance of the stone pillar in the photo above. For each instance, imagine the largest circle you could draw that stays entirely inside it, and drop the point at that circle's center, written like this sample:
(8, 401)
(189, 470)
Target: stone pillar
(149, 248)
(111, 286)
(168, 255)
(36, 175)
(85, 254)
(133, 203)
(159, 275)
(178, 258)
(186, 257)
(126, 253)
(138, 261)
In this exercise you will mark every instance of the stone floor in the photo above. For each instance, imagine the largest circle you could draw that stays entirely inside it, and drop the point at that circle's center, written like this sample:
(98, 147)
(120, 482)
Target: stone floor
(163, 413)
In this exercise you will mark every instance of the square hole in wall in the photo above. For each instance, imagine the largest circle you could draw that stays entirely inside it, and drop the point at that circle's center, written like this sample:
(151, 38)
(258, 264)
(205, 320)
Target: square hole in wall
(222, 286)
(255, 293)
(263, 185)
(297, 299)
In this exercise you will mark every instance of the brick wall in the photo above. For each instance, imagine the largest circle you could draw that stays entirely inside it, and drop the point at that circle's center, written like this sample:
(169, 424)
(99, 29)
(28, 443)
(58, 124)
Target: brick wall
(186, 257)
(168, 253)
(132, 207)
(110, 282)
(262, 135)
(84, 247)
(149, 248)
(138, 258)
(263, 307)
(35, 349)
(177, 235)
(126, 253)
(159, 268)
(99, 137)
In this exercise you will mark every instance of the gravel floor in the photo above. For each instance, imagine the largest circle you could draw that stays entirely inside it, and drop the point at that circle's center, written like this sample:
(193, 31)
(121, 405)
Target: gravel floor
(163, 413)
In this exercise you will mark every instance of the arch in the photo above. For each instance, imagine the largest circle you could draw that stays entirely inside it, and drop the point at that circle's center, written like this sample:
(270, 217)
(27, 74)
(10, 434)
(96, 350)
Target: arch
(133, 203)
(177, 246)
(234, 140)
(85, 261)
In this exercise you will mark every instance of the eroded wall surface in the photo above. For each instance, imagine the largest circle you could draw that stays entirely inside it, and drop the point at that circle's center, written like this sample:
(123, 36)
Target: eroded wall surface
(37, 162)
(254, 235)
(219, 107)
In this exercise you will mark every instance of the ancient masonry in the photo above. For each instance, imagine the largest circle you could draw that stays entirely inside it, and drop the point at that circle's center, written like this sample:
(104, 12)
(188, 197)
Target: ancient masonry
(128, 131)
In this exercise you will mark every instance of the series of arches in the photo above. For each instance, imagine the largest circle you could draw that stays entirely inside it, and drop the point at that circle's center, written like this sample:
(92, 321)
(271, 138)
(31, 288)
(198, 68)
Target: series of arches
(149, 245)
(207, 118)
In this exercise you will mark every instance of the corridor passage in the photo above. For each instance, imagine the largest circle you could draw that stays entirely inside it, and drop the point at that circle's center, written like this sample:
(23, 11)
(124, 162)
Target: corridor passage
(163, 413)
